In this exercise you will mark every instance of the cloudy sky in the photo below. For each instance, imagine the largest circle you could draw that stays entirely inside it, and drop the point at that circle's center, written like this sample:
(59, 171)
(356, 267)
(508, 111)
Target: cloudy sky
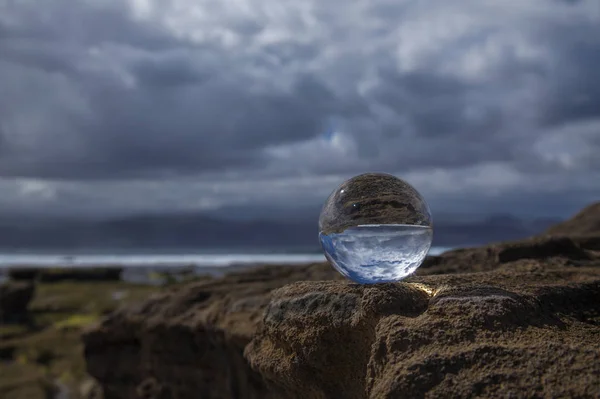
(119, 106)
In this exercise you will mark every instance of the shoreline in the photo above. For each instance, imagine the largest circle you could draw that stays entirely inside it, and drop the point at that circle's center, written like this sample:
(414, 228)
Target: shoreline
(183, 259)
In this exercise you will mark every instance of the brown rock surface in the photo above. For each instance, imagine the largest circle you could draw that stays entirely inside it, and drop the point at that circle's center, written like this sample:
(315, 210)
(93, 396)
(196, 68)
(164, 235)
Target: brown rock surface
(583, 228)
(14, 299)
(51, 275)
(565, 250)
(585, 222)
(189, 342)
(528, 330)
(518, 319)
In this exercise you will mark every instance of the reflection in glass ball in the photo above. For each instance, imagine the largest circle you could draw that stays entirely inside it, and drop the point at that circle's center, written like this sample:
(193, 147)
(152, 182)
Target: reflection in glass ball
(375, 228)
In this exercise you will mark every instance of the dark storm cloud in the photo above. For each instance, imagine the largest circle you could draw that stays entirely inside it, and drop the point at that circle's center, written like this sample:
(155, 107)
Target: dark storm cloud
(166, 109)
(458, 96)
(169, 106)
(80, 23)
(575, 87)
(436, 109)
(407, 93)
(212, 125)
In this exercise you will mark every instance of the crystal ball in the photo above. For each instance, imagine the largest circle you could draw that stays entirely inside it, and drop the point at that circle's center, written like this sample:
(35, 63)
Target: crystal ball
(375, 228)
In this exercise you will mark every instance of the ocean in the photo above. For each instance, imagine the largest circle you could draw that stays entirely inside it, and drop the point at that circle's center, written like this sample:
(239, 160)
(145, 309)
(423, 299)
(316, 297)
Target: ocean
(146, 258)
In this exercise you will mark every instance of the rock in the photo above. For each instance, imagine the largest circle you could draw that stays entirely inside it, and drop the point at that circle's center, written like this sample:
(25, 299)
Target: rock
(7, 353)
(14, 299)
(544, 248)
(516, 319)
(50, 275)
(189, 342)
(583, 228)
(584, 223)
(90, 389)
(24, 273)
(531, 330)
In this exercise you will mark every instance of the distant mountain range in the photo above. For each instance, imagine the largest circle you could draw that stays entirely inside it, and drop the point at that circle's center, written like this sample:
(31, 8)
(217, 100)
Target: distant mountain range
(204, 232)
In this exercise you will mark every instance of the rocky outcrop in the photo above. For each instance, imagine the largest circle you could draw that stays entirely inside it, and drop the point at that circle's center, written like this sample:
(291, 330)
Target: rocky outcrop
(525, 331)
(584, 223)
(51, 275)
(14, 300)
(565, 250)
(514, 319)
(189, 342)
(583, 228)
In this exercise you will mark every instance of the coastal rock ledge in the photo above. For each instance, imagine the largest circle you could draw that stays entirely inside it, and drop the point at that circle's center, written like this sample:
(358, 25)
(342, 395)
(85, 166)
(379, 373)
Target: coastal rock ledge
(512, 320)
(504, 334)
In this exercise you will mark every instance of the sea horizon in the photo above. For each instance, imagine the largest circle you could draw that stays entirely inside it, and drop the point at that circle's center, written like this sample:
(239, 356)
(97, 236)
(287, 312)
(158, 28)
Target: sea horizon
(217, 257)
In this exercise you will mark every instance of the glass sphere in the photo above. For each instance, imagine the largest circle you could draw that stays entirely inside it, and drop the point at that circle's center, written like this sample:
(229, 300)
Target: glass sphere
(375, 228)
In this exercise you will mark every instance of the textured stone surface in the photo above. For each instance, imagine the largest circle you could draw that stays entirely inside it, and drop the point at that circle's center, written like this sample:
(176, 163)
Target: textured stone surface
(586, 222)
(189, 342)
(510, 320)
(373, 198)
(525, 331)
(564, 250)
(51, 275)
(14, 299)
